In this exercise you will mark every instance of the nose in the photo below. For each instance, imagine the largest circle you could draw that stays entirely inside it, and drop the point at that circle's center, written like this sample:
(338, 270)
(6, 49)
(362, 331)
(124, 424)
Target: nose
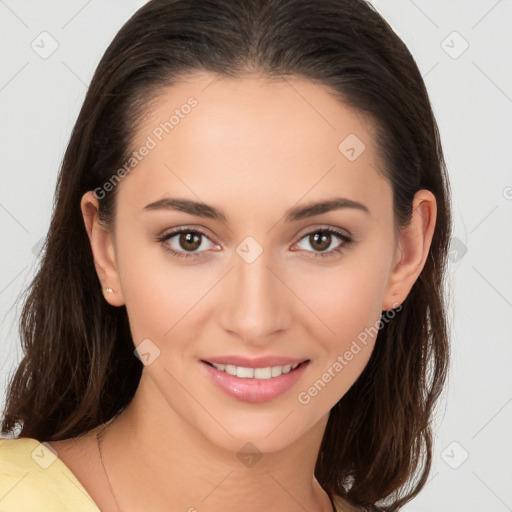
(256, 303)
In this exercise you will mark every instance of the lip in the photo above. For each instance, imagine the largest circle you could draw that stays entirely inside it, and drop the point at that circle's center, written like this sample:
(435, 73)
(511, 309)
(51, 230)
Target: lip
(255, 390)
(257, 362)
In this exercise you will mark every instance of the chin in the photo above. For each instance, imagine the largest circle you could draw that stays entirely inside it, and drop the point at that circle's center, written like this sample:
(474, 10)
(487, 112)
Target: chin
(262, 431)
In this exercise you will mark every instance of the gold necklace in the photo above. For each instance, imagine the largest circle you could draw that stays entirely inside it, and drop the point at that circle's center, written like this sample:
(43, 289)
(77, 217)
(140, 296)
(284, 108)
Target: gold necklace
(98, 442)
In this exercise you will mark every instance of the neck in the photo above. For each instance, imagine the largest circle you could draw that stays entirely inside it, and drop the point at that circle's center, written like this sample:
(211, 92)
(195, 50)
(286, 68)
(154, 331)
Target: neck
(156, 458)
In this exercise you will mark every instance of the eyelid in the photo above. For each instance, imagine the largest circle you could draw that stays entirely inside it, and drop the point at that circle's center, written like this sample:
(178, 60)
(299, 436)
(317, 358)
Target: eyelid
(325, 227)
(185, 228)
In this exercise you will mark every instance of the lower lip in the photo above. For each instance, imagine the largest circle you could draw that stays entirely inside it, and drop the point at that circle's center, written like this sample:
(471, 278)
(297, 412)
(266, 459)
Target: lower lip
(255, 390)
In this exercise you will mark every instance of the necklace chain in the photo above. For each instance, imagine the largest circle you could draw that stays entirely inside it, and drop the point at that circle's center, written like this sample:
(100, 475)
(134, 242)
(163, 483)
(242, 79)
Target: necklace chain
(99, 442)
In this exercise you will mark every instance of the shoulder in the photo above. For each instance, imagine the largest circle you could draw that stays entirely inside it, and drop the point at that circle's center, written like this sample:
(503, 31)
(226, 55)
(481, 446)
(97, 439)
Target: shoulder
(32, 477)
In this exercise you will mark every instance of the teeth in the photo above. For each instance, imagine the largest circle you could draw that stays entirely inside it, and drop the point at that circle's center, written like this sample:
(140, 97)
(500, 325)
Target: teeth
(245, 373)
(255, 373)
(230, 369)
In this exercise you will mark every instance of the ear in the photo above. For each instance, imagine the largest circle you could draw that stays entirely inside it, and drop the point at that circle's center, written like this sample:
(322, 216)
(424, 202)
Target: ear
(412, 249)
(103, 250)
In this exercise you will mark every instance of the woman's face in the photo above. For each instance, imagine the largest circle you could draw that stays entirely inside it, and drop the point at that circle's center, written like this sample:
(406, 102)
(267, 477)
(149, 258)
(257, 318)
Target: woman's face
(221, 255)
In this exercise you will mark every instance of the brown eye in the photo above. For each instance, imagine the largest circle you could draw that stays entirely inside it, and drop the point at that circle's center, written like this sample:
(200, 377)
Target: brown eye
(320, 241)
(190, 241)
(326, 242)
(186, 243)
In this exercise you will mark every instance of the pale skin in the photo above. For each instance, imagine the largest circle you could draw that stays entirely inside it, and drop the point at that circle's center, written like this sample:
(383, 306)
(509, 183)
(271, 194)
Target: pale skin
(253, 149)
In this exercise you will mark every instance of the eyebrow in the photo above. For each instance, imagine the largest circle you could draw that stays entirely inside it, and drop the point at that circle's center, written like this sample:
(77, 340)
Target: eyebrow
(293, 214)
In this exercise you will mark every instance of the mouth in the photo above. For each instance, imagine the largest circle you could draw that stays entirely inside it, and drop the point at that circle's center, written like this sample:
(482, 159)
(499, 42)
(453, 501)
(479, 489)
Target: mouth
(265, 373)
(255, 384)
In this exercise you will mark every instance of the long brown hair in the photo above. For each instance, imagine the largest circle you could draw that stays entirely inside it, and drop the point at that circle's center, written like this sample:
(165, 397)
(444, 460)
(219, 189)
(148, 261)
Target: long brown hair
(79, 368)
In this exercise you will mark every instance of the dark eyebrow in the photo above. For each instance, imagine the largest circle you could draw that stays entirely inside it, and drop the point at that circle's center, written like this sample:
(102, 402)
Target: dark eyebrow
(294, 214)
(312, 209)
(187, 206)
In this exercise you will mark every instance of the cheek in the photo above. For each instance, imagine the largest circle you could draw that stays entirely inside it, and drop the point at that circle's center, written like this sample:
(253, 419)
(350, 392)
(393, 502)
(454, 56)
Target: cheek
(349, 304)
(343, 351)
(347, 297)
(349, 308)
(158, 293)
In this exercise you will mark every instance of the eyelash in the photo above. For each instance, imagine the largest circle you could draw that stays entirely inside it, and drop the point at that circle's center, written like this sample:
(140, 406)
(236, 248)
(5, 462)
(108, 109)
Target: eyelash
(339, 234)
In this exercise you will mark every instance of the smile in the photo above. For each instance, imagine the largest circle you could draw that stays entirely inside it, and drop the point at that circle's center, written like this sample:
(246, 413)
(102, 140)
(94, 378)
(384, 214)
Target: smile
(255, 373)
(255, 384)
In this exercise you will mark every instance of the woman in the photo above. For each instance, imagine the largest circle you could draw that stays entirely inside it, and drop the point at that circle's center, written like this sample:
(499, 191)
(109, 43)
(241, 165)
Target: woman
(240, 303)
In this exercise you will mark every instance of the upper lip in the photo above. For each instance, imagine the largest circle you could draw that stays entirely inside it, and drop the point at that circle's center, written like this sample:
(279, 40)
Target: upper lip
(257, 362)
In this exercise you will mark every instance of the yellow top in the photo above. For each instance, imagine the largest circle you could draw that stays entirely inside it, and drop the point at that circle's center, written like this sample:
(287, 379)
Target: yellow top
(33, 478)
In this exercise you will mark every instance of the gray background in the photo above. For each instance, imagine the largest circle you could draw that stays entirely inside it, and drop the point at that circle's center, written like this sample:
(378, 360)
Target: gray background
(471, 92)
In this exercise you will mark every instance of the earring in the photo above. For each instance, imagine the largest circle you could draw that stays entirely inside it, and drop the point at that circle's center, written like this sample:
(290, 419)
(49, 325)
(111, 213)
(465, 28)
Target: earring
(107, 290)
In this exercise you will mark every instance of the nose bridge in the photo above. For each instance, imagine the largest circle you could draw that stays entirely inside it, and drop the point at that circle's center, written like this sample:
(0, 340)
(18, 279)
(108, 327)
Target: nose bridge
(255, 307)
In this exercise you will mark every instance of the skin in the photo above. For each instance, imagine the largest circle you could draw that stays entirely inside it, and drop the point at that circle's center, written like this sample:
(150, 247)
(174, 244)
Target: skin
(253, 148)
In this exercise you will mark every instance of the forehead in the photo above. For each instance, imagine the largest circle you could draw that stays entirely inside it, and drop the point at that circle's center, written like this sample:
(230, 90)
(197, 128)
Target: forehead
(247, 113)
(254, 136)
